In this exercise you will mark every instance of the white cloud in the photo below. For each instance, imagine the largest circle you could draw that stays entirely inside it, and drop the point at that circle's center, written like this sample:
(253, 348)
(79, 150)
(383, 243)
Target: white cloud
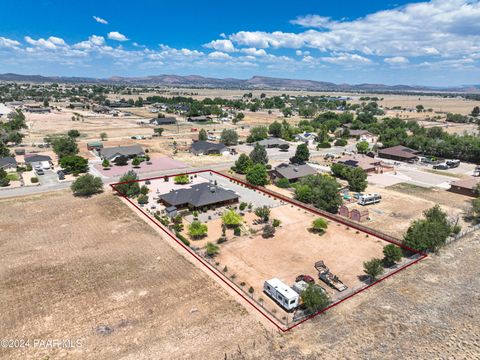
(8, 43)
(100, 20)
(396, 60)
(346, 59)
(51, 43)
(254, 52)
(218, 55)
(313, 21)
(115, 35)
(445, 28)
(221, 45)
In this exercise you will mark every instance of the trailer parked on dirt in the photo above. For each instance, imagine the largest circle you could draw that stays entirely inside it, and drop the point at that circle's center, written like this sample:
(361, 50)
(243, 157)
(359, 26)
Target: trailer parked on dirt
(330, 279)
(283, 295)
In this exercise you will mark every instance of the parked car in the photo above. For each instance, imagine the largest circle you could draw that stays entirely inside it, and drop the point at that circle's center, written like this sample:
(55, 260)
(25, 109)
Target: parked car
(39, 171)
(453, 163)
(61, 175)
(440, 166)
(307, 278)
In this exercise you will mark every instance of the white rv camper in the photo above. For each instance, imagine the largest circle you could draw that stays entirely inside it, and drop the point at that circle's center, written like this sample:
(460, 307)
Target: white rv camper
(285, 296)
(368, 199)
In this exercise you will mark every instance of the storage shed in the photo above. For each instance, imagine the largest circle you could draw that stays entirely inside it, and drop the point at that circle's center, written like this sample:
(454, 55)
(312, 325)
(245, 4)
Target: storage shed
(359, 214)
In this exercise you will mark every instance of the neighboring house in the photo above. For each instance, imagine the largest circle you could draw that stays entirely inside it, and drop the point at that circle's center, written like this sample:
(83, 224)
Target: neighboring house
(77, 105)
(291, 172)
(208, 148)
(465, 186)
(37, 109)
(94, 145)
(271, 142)
(4, 111)
(37, 160)
(8, 163)
(199, 118)
(199, 196)
(101, 109)
(399, 153)
(366, 163)
(112, 153)
(355, 133)
(308, 138)
(163, 121)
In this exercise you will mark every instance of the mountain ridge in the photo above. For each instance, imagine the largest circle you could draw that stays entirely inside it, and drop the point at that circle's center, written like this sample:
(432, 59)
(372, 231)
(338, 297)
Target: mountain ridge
(255, 82)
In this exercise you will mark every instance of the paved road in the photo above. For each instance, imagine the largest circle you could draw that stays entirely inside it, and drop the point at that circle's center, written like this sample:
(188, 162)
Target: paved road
(31, 190)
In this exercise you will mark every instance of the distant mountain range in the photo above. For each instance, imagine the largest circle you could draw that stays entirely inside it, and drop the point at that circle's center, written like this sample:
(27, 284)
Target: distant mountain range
(256, 82)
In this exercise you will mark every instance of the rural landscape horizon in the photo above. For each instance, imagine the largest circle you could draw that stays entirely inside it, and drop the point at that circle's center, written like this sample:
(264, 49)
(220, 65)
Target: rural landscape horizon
(213, 180)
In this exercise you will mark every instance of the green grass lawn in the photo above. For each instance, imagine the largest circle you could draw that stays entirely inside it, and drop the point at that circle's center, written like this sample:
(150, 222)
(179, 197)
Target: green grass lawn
(13, 176)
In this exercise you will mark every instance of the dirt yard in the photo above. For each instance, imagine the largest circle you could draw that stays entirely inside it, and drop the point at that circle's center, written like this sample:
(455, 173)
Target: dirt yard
(294, 250)
(91, 269)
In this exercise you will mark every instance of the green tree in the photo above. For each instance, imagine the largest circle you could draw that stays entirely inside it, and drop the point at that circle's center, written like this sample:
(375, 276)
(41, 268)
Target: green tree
(283, 183)
(159, 131)
(263, 212)
(476, 111)
(181, 179)
(202, 135)
(231, 219)
(257, 175)
(275, 129)
(86, 185)
(103, 136)
(362, 147)
(319, 190)
(302, 154)
(319, 225)
(4, 180)
(212, 249)
(357, 179)
(392, 254)
(73, 133)
(142, 199)
(259, 155)
(429, 233)
(74, 164)
(64, 145)
(257, 133)
(476, 209)
(373, 268)
(314, 298)
(128, 185)
(243, 163)
(229, 137)
(105, 163)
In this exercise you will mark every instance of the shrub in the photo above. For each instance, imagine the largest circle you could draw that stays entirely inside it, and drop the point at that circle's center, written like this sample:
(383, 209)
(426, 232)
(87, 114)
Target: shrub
(324, 145)
(181, 179)
(314, 298)
(221, 240)
(236, 231)
(143, 199)
(230, 218)
(243, 206)
(319, 225)
(283, 183)
(197, 230)
(183, 239)
(340, 142)
(276, 223)
(268, 231)
(212, 249)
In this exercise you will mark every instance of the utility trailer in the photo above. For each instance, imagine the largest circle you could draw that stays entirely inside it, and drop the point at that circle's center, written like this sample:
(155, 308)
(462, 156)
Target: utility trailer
(368, 199)
(330, 279)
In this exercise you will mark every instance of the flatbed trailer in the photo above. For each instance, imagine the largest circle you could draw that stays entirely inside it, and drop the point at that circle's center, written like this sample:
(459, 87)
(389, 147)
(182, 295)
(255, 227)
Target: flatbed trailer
(330, 279)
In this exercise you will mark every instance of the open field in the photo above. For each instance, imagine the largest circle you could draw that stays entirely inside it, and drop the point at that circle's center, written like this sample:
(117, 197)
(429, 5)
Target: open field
(88, 263)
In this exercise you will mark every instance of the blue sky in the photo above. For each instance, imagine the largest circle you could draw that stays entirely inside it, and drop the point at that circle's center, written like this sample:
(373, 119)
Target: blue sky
(399, 42)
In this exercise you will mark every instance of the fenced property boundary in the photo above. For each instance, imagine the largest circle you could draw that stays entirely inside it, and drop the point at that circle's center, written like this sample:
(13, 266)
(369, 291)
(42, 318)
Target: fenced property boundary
(222, 277)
